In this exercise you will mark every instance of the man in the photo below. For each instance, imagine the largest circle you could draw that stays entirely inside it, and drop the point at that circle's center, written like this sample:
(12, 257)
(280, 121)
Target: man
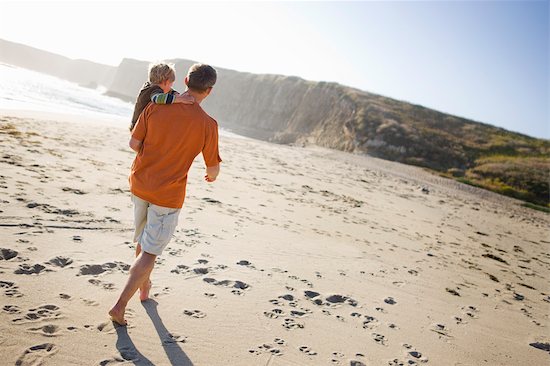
(167, 138)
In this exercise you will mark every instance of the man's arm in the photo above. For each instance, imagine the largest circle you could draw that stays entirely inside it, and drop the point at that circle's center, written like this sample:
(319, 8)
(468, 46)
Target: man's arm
(212, 173)
(135, 144)
(210, 152)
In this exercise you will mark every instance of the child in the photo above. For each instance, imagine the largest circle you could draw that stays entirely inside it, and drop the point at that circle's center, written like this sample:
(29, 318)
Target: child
(159, 90)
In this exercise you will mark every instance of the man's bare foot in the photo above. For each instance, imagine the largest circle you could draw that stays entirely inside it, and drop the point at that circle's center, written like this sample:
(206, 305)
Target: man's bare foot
(117, 316)
(144, 291)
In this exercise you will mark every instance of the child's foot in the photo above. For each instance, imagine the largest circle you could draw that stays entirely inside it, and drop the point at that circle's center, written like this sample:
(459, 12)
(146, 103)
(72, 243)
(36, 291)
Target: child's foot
(144, 291)
(117, 315)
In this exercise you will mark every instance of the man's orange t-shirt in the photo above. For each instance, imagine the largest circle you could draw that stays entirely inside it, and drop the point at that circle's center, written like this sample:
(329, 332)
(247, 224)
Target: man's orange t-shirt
(172, 136)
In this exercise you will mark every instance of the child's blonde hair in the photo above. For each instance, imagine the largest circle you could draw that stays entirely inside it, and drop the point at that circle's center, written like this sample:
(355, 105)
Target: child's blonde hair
(161, 71)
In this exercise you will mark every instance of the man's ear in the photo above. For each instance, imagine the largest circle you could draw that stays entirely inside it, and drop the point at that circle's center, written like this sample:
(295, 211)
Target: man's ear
(208, 91)
(186, 81)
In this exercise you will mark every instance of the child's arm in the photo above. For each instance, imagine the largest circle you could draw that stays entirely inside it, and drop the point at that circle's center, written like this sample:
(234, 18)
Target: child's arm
(169, 98)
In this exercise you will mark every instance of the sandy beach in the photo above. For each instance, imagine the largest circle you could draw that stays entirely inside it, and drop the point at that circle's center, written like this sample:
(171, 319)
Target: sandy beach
(294, 256)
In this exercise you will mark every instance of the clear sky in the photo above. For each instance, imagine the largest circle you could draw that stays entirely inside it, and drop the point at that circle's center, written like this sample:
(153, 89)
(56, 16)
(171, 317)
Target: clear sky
(487, 61)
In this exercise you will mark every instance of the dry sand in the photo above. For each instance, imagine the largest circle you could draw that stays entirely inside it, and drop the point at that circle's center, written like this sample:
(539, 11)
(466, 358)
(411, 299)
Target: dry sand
(295, 256)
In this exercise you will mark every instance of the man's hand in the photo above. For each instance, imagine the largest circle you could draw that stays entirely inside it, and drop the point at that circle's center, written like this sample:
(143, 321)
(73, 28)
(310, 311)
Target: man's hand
(184, 99)
(212, 173)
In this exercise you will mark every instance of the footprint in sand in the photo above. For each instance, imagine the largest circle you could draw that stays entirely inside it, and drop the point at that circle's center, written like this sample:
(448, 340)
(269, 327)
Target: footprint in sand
(194, 313)
(290, 324)
(308, 351)
(41, 312)
(165, 291)
(392, 326)
(106, 327)
(176, 252)
(10, 289)
(274, 314)
(238, 285)
(290, 300)
(413, 354)
(11, 309)
(174, 338)
(379, 338)
(96, 269)
(334, 300)
(370, 322)
(336, 357)
(6, 254)
(104, 285)
(276, 302)
(29, 270)
(114, 360)
(48, 330)
(542, 346)
(36, 355)
(74, 190)
(440, 329)
(300, 314)
(60, 261)
(267, 348)
(88, 302)
(398, 362)
(244, 262)
(470, 311)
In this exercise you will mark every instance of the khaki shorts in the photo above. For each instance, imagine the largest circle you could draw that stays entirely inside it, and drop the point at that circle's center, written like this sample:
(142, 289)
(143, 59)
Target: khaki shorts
(154, 225)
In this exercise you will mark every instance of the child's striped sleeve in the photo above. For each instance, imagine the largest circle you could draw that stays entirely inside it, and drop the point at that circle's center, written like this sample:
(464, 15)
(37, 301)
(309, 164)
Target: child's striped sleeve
(162, 98)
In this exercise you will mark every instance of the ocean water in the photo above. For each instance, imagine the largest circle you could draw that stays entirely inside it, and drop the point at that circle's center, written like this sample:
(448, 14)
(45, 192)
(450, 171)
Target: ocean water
(29, 90)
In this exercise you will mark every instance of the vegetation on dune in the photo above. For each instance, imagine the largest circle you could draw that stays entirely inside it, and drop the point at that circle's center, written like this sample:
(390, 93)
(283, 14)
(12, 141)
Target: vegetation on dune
(474, 153)
(522, 177)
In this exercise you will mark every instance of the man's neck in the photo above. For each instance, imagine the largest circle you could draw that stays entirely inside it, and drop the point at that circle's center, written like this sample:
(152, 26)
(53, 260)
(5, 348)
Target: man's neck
(198, 96)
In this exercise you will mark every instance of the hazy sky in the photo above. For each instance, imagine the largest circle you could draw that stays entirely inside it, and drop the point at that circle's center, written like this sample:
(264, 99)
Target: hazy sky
(486, 61)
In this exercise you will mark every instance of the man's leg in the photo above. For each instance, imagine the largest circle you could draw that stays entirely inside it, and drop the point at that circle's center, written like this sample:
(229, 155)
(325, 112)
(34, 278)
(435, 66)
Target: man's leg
(139, 271)
(140, 219)
(146, 285)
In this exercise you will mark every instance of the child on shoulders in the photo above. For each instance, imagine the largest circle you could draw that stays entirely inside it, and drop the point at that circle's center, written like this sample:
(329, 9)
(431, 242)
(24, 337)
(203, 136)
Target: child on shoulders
(158, 89)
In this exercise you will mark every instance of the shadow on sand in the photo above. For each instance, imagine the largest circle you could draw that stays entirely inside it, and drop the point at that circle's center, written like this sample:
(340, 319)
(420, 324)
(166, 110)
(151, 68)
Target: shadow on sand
(171, 347)
(129, 352)
(127, 348)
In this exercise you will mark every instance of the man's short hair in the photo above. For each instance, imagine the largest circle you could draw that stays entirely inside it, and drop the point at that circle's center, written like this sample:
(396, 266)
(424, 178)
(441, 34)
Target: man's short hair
(160, 72)
(201, 77)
